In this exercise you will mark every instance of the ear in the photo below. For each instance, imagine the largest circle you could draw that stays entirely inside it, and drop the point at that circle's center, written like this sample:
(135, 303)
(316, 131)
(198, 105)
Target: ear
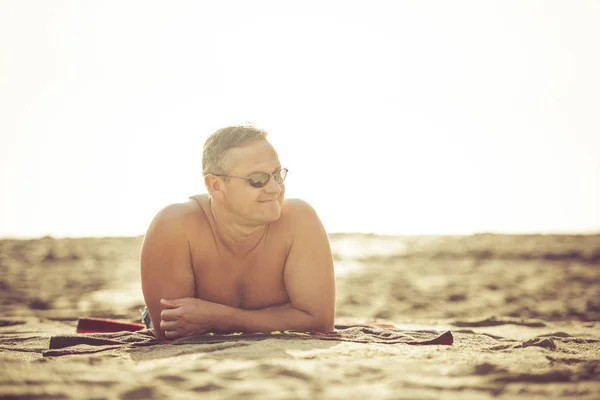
(214, 185)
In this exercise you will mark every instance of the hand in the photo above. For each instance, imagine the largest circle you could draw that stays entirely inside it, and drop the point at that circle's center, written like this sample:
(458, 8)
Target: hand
(188, 316)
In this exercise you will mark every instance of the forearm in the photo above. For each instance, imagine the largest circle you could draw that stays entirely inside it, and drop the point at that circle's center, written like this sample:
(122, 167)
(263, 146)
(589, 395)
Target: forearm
(278, 318)
(193, 316)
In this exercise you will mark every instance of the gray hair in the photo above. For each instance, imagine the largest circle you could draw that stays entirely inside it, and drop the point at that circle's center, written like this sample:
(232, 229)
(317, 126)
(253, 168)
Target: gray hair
(214, 160)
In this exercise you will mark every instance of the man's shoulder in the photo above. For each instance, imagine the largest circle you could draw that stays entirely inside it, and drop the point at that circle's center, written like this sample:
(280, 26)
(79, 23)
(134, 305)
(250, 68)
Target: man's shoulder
(301, 224)
(297, 211)
(178, 212)
(296, 206)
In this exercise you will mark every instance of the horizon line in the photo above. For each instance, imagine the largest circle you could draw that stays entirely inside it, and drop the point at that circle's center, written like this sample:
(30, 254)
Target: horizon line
(334, 233)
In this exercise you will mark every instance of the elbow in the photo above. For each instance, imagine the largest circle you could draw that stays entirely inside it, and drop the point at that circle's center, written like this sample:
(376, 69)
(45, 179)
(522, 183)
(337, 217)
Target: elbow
(320, 321)
(322, 324)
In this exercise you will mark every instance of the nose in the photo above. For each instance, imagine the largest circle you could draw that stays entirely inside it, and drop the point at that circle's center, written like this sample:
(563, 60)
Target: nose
(272, 186)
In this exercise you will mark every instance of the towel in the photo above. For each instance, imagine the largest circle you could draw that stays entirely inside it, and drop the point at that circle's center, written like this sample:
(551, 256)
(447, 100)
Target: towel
(357, 334)
(105, 325)
(61, 345)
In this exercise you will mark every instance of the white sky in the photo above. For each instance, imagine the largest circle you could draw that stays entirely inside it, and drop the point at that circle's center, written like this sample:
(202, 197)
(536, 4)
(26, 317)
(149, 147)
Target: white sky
(393, 117)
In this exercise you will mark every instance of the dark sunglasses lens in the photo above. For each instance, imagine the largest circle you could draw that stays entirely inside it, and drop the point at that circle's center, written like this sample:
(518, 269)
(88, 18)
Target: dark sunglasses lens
(259, 180)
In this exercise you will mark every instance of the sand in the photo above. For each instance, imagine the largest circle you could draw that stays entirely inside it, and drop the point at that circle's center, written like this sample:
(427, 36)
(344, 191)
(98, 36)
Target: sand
(524, 312)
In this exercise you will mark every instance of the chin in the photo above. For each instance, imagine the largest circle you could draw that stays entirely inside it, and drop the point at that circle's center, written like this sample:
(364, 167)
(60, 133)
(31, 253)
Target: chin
(271, 215)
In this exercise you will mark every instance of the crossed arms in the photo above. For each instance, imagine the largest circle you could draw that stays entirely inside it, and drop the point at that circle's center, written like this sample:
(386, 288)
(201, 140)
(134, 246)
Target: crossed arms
(168, 283)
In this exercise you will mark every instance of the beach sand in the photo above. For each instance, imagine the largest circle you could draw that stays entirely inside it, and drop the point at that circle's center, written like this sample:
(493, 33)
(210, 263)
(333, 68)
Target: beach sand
(524, 312)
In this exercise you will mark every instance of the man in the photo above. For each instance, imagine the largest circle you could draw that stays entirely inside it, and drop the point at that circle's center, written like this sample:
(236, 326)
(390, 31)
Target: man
(240, 258)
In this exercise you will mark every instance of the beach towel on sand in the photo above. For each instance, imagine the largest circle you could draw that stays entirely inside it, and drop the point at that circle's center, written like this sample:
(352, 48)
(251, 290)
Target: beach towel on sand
(96, 342)
(105, 325)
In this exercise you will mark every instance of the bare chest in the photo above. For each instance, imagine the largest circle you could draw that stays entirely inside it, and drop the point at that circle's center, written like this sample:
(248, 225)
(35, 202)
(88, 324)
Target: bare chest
(254, 282)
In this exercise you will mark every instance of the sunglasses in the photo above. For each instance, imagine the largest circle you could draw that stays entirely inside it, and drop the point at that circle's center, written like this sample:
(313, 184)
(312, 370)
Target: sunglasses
(261, 179)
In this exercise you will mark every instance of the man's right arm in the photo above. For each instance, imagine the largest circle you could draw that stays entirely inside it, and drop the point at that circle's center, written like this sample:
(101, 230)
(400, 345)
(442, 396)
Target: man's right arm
(166, 266)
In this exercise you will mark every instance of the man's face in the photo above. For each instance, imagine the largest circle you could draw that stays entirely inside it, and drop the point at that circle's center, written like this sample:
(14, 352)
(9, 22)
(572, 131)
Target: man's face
(257, 205)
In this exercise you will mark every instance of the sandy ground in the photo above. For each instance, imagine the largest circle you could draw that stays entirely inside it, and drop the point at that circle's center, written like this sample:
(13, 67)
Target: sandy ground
(524, 312)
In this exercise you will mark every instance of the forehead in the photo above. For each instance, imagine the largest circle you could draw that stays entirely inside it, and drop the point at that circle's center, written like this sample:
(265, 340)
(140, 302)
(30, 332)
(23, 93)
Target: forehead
(258, 156)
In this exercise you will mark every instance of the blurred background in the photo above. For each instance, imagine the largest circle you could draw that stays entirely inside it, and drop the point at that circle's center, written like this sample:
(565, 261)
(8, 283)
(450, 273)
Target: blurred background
(531, 279)
(410, 117)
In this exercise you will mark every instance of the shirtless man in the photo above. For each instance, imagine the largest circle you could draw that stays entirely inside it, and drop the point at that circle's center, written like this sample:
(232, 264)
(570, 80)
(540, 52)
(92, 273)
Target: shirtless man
(240, 258)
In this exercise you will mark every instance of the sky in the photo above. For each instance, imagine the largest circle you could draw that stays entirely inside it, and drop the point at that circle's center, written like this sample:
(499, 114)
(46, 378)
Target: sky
(393, 117)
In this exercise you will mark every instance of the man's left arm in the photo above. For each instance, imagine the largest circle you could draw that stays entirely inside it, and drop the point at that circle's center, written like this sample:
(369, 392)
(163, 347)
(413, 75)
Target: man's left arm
(309, 281)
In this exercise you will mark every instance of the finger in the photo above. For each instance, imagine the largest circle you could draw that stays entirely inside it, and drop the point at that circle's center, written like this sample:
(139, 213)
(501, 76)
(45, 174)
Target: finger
(168, 325)
(170, 303)
(171, 314)
(172, 334)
